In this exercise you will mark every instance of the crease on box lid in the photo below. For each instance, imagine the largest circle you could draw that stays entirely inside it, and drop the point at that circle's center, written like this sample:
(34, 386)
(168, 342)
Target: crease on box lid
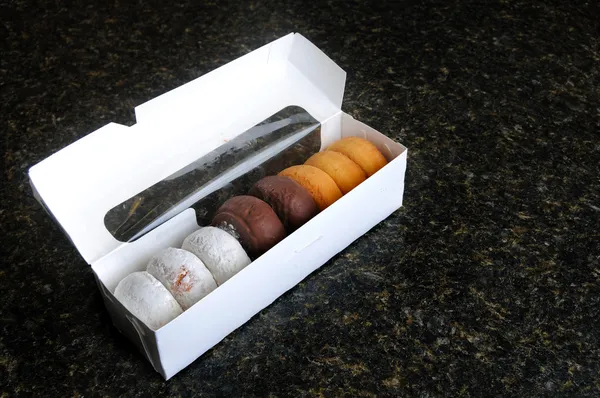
(84, 180)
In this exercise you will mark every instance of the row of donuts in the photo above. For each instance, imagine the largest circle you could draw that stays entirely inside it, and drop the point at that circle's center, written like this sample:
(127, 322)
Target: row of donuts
(243, 228)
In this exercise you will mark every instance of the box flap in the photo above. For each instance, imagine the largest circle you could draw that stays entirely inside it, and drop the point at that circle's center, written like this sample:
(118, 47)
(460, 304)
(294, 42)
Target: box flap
(83, 181)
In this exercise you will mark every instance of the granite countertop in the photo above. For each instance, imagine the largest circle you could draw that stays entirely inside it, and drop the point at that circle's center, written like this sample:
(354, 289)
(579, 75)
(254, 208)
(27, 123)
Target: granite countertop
(486, 282)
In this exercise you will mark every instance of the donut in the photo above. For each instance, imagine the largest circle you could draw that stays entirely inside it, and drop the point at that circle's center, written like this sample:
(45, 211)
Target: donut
(346, 174)
(292, 203)
(360, 151)
(222, 254)
(252, 221)
(146, 298)
(319, 184)
(183, 274)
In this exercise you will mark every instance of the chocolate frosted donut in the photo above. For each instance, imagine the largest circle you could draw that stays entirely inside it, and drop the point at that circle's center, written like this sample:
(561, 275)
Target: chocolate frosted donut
(252, 221)
(291, 202)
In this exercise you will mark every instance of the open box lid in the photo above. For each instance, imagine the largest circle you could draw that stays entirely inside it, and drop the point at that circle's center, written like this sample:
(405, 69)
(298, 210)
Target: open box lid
(80, 183)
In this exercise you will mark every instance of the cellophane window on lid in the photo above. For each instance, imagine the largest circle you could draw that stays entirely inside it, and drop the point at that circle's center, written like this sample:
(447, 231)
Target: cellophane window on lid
(287, 138)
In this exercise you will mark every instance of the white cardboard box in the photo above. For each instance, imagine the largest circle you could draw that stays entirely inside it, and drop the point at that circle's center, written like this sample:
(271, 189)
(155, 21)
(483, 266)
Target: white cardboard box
(79, 184)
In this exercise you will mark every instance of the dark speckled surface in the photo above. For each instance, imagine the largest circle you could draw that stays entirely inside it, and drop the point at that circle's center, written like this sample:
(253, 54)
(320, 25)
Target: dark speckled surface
(486, 283)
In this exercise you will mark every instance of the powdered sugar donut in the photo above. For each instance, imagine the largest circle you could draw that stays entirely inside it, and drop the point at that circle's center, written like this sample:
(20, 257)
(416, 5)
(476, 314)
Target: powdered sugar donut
(146, 298)
(222, 254)
(183, 274)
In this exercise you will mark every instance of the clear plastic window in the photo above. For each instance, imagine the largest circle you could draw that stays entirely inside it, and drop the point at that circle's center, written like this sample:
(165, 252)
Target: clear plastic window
(287, 138)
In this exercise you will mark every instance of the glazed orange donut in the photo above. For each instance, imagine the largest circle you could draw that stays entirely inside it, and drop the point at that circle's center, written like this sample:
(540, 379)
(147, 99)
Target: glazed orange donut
(362, 152)
(321, 187)
(344, 171)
